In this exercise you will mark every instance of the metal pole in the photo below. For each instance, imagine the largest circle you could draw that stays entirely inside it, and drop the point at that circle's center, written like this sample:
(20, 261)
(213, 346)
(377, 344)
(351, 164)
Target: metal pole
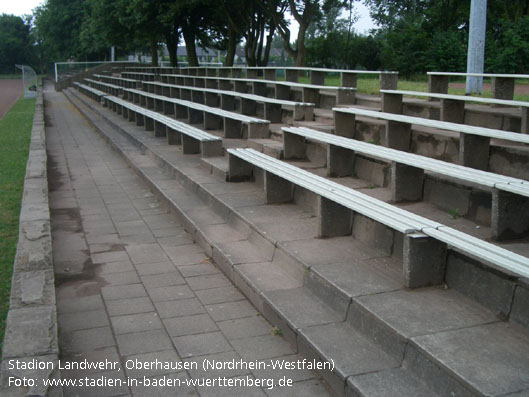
(476, 45)
(56, 77)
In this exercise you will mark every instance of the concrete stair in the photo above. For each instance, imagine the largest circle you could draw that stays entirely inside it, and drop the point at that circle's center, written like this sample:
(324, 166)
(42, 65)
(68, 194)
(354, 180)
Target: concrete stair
(338, 299)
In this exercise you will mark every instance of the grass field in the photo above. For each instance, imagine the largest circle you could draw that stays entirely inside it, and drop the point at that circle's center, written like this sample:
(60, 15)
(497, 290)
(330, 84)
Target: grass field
(15, 130)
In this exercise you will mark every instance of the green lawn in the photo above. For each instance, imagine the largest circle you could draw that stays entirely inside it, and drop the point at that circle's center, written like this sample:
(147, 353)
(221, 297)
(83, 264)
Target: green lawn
(15, 131)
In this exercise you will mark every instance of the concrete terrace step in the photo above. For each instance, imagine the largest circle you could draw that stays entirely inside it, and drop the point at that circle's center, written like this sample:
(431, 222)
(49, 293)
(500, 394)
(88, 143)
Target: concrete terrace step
(391, 337)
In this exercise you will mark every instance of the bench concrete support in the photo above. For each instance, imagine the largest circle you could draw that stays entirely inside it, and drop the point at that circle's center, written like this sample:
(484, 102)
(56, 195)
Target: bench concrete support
(212, 83)
(195, 116)
(190, 145)
(453, 111)
(525, 121)
(199, 82)
(270, 74)
(227, 102)
(258, 130)
(259, 88)
(211, 148)
(423, 260)
(503, 88)
(241, 86)
(159, 129)
(149, 124)
(344, 124)
(212, 121)
(238, 170)
(159, 105)
(311, 95)
(236, 73)
(282, 92)
(198, 97)
(212, 99)
(335, 219)
(273, 112)
(140, 120)
(251, 73)
(303, 113)
(224, 72)
(225, 85)
(174, 92)
(345, 97)
(406, 182)
(474, 151)
(294, 146)
(348, 79)
(173, 137)
(438, 84)
(510, 215)
(232, 128)
(392, 103)
(181, 112)
(132, 116)
(189, 82)
(150, 103)
(317, 77)
(397, 135)
(211, 72)
(388, 81)
(248, 106)
(340, 161)
(166, 91)
(291, 75)
(277, 190)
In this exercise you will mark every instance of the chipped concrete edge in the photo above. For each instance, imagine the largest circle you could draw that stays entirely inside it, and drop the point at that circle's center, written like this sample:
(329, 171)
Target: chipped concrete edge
(30, 351)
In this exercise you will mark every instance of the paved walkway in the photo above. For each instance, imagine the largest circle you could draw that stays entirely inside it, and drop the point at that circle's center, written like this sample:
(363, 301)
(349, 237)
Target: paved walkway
(133, 289)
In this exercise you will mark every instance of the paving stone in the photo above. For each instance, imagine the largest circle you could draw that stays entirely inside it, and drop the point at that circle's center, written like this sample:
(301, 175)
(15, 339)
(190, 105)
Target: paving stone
(275, 369)
(86, 340)
(112, 256)
(169, 231)
(262, 347)
(131, 228)
(201, 344)
(240, 388)
(207, 282)
(84, 303)
(123, 292)
(308, 388)
(226, 364)
(121, 278)
(189, 325)
(163, 280)
(174, 241)
(219, 295)
(175, 292)
(142, 238)
(146, 253)
(183, 255)
(136, 323)
(231, 310)
(103, 239)
(82, 320)
(97, 355)
(155, 268)
(120, 307)
(179, 308)
(118, 389)
(201, 269)
(143, 342)
(165, 362)
(158, 386)
(115, 267)
(243, 252)
(244, 327)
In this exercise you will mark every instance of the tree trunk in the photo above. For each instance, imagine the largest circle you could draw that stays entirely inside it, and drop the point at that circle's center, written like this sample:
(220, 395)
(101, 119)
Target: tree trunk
(232, 46)
(301, 50)
(191, 49)
(154, 52)
(171, 40)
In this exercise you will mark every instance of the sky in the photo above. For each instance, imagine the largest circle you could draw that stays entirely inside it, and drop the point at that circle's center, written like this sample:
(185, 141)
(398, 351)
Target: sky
(22, 7)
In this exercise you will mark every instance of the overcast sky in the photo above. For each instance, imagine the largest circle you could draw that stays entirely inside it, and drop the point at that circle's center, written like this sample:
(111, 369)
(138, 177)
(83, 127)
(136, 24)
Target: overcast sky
(22, 7)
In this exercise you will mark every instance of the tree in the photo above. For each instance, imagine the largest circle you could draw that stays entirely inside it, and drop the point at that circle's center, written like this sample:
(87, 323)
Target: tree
(15, 42)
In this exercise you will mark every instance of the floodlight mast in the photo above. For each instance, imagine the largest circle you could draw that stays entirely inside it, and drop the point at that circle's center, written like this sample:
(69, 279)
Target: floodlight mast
(476, 45)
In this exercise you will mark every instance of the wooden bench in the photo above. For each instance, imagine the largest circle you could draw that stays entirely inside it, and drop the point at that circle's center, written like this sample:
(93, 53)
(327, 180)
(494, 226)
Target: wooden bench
(193, 140)
(234, 125)
(91, 92)
(226, 100)
(425, 242)
(112, 89)
(452, 106)
(139, 76)
(502, 83)
(282, 89)
(126, 83)
(510, 196)
(474, 142)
